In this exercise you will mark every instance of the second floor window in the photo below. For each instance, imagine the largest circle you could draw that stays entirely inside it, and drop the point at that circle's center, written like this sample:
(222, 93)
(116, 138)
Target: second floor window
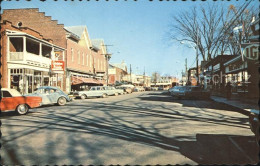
(78, 57)
(82, 58)
(90, 61)
(87, 60)
(72, 55)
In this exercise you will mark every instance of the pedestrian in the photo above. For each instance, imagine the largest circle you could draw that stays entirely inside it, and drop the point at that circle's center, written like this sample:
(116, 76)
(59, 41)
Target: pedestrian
(228, 90)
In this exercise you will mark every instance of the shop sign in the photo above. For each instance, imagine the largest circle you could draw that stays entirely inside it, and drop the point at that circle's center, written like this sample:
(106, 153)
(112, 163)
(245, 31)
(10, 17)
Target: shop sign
(251, 52)
(57, 65)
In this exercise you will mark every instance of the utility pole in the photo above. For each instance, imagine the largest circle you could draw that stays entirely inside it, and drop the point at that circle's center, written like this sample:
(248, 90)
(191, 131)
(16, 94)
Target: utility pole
(107, 59)
(144, 77)
(130, 73)
(197, 56)
(186, 71)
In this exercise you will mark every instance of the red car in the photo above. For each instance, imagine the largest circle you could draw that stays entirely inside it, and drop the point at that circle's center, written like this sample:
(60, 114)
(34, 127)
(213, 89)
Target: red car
(13, 100)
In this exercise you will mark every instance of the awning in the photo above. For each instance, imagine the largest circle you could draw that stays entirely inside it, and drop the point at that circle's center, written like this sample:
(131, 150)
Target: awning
(76, 80)
(80, 80)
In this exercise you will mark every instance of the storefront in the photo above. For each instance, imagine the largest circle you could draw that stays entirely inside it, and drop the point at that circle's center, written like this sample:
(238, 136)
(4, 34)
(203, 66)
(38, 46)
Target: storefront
(82, 81)
(29, 60)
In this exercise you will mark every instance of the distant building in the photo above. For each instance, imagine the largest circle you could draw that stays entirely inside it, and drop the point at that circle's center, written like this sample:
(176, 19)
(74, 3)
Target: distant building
(138, 80)
(116, 73)
(165, 82)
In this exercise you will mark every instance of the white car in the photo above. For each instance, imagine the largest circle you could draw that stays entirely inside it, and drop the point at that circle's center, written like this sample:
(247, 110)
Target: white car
(94, 91)
(139, 89)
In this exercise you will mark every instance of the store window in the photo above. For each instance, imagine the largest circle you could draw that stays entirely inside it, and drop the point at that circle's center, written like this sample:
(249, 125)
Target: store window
(37, 79)
(17, 79)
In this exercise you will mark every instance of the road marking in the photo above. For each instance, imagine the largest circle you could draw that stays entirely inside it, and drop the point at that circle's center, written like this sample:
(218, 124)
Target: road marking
(241, 150)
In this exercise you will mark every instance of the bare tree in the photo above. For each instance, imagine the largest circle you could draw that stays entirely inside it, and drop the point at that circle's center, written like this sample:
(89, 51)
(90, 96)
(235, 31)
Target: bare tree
(209, 27)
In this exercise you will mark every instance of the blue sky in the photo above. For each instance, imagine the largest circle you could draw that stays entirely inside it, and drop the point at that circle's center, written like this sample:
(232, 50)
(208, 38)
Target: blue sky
(136, 29)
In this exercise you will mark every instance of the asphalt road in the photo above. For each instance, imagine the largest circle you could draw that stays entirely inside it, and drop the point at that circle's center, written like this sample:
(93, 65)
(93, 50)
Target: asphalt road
(139, 128)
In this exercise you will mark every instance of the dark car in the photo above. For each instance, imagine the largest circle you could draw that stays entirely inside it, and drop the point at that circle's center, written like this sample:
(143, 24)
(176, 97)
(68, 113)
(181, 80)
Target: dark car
(190, 92)
(196, 92)
(254, 123)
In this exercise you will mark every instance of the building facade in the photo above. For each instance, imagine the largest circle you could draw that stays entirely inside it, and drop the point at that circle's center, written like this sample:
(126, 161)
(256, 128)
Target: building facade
(85, 61)
(29, 60)
(39, 22)
(116, 73)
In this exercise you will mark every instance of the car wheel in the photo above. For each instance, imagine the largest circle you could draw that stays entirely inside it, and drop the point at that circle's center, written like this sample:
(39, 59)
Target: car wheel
(116, 94)
(104, 95)
(22, 109)
(83, 97)
(61, 101)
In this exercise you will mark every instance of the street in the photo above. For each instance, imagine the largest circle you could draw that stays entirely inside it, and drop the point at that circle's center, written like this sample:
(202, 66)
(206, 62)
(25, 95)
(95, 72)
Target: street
(139, 128)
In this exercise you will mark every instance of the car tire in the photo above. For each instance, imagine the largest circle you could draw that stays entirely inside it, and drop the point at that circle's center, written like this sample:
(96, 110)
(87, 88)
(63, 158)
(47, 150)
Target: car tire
(104, 95)
(22, 109)
(61, 101)
(83, 97)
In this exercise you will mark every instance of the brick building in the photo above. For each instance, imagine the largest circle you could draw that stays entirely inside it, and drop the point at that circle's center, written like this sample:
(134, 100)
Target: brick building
(26, 58)
(86, 63)
(84, 58)
(116, 73)
(47, 27)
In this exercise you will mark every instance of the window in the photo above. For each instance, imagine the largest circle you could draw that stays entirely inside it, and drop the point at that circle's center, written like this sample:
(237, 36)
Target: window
(86, 59)
(82, 58)
(72, 55)
(6, 94)
(90, 61)
(78, 57)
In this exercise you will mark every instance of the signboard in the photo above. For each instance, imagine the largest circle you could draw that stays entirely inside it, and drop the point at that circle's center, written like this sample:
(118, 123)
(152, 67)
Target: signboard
(57, 65)
(251, 52)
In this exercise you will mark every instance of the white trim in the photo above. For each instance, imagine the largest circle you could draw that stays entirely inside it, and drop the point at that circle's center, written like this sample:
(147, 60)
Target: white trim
(16, 66)
(8, 78)
(232, 60)
(17, 34)
(8, 49)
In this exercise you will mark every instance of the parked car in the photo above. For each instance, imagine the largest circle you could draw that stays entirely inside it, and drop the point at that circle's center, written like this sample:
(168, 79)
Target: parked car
(189, 92)
(51, 95)
(254, 123)
(94, 91)
(13, 100)
(170, 90)
(160, 88)
(118, 91)
(178, 91)
(126, 89)
(147, 88)
(113, 91)
(139, 89)
(154, 88)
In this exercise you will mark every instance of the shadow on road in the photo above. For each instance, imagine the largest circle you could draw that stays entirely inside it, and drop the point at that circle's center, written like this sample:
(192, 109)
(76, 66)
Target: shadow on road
(191, 103)
(205, 149)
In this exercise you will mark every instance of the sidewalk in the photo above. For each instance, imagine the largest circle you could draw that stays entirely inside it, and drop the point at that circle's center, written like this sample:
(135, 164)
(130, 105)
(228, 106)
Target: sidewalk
(236, 103)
